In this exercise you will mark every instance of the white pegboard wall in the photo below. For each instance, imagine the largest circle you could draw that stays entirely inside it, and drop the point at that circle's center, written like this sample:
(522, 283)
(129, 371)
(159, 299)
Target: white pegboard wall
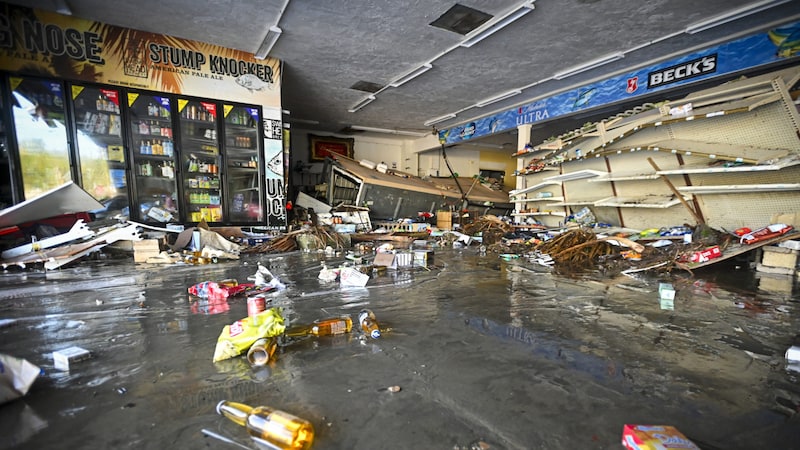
(768, 126)
(748, 209)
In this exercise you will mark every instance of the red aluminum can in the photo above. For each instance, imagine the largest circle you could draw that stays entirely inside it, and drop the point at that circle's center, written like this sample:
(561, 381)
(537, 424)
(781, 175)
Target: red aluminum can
(255, 305)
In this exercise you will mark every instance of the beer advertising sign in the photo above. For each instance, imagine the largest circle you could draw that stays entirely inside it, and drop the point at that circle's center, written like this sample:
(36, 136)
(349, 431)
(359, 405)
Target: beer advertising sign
(42, 43)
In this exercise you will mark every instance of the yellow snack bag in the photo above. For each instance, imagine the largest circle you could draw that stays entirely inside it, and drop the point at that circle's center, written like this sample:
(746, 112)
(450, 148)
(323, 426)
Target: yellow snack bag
(237, 337)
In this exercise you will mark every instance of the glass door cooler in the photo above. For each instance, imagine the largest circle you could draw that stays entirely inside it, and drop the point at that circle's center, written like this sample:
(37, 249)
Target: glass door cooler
(100, 148)
(242, 168)
(41, 134)
(200, 158)
(153, 149)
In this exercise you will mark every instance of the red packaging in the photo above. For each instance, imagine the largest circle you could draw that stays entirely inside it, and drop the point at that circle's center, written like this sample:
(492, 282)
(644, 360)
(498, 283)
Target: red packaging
(654, 437)
(707, 254)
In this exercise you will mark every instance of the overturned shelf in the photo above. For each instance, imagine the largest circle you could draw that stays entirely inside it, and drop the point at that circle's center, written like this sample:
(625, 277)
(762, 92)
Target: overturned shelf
(781, 164)
(538, 199)
(577, 175)
(576, 203)
(640, 202)
(543, 213)
(534, 187)
(739, 188)
(623, 177)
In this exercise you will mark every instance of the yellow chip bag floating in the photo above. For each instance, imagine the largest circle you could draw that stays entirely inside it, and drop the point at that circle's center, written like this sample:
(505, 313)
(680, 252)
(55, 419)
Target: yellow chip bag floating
(237, 337)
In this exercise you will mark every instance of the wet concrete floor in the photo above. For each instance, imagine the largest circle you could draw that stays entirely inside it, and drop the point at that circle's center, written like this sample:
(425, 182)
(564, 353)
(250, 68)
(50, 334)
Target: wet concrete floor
(485, 351)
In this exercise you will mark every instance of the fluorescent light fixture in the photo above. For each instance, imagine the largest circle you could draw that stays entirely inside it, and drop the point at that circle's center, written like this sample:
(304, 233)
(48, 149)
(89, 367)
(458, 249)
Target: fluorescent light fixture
(362, 103)
(492, 28)
(734, 14)
(497, 98)
(389, 131)
(411, 75)
(439, 119)
(62, 7)
(589, 65)
(269, 40)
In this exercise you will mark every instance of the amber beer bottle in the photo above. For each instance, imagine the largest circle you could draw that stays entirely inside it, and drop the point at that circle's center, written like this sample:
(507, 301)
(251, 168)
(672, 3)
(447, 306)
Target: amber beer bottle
(322, 327)
(366, 318)
(279, 429)
(261, 351)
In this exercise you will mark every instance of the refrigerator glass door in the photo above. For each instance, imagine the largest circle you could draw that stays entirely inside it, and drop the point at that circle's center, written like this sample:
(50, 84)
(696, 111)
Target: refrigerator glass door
(243, 161)
(100, 149)
(6, 173)
(40, 124)
(153, 157)
(200, 159)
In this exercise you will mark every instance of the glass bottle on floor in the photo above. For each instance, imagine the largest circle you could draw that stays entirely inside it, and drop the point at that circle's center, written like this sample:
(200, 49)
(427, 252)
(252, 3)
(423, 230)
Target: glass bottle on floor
(369, 324)
(322, 327)
(279, 429)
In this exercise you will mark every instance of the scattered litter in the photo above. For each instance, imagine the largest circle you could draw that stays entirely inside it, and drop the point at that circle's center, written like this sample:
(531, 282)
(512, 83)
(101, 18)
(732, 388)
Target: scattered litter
(793, 358)
(65, 357)
(327, 274)
(16, 377)
(218, 291)
(654, 437)
(239, 336)
(350, 277)
(391, 389)
(121, 390)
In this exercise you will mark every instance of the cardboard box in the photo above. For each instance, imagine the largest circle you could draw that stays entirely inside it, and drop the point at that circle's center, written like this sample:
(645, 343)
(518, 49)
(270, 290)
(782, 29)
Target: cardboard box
(423, 258)
(62, 359)
(794, 245)
(144, 249)
(666, 291)
(444, 220)
(116, 153)
(350, 277)
(774, 256)
(654, 437)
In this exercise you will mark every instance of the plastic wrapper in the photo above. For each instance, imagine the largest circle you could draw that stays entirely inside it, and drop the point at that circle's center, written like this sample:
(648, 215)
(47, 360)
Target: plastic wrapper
(16, 377)
(654, 437)
(217, 291)
(237, 337)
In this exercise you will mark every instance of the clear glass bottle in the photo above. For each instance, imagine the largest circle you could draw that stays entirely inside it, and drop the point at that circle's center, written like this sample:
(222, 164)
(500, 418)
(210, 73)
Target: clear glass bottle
(279, 429)
(322, 327)
(369, 324)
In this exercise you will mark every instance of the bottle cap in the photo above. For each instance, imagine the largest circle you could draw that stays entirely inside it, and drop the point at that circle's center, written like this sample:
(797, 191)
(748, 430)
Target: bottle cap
(375, 334)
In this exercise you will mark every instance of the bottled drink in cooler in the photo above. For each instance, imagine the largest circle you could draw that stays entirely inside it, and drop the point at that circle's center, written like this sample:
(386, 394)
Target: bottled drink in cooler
(369, 324)
(322, 327)
(278, 428)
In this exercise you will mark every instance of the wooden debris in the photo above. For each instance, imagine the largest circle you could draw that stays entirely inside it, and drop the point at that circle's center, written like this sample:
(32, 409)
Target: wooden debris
(491, 228)
(320, 236)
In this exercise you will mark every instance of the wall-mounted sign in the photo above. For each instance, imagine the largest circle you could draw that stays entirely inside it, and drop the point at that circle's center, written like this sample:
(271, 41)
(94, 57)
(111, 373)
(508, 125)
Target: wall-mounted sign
(759, 49)
(36, 42)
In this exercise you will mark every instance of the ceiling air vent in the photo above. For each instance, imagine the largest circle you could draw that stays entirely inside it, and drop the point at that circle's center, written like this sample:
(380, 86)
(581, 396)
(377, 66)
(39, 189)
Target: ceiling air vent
(367, 86)
(461, 19)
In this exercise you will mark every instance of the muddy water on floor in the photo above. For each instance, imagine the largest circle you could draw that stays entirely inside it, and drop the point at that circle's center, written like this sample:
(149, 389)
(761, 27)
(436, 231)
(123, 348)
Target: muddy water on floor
(482, 349)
